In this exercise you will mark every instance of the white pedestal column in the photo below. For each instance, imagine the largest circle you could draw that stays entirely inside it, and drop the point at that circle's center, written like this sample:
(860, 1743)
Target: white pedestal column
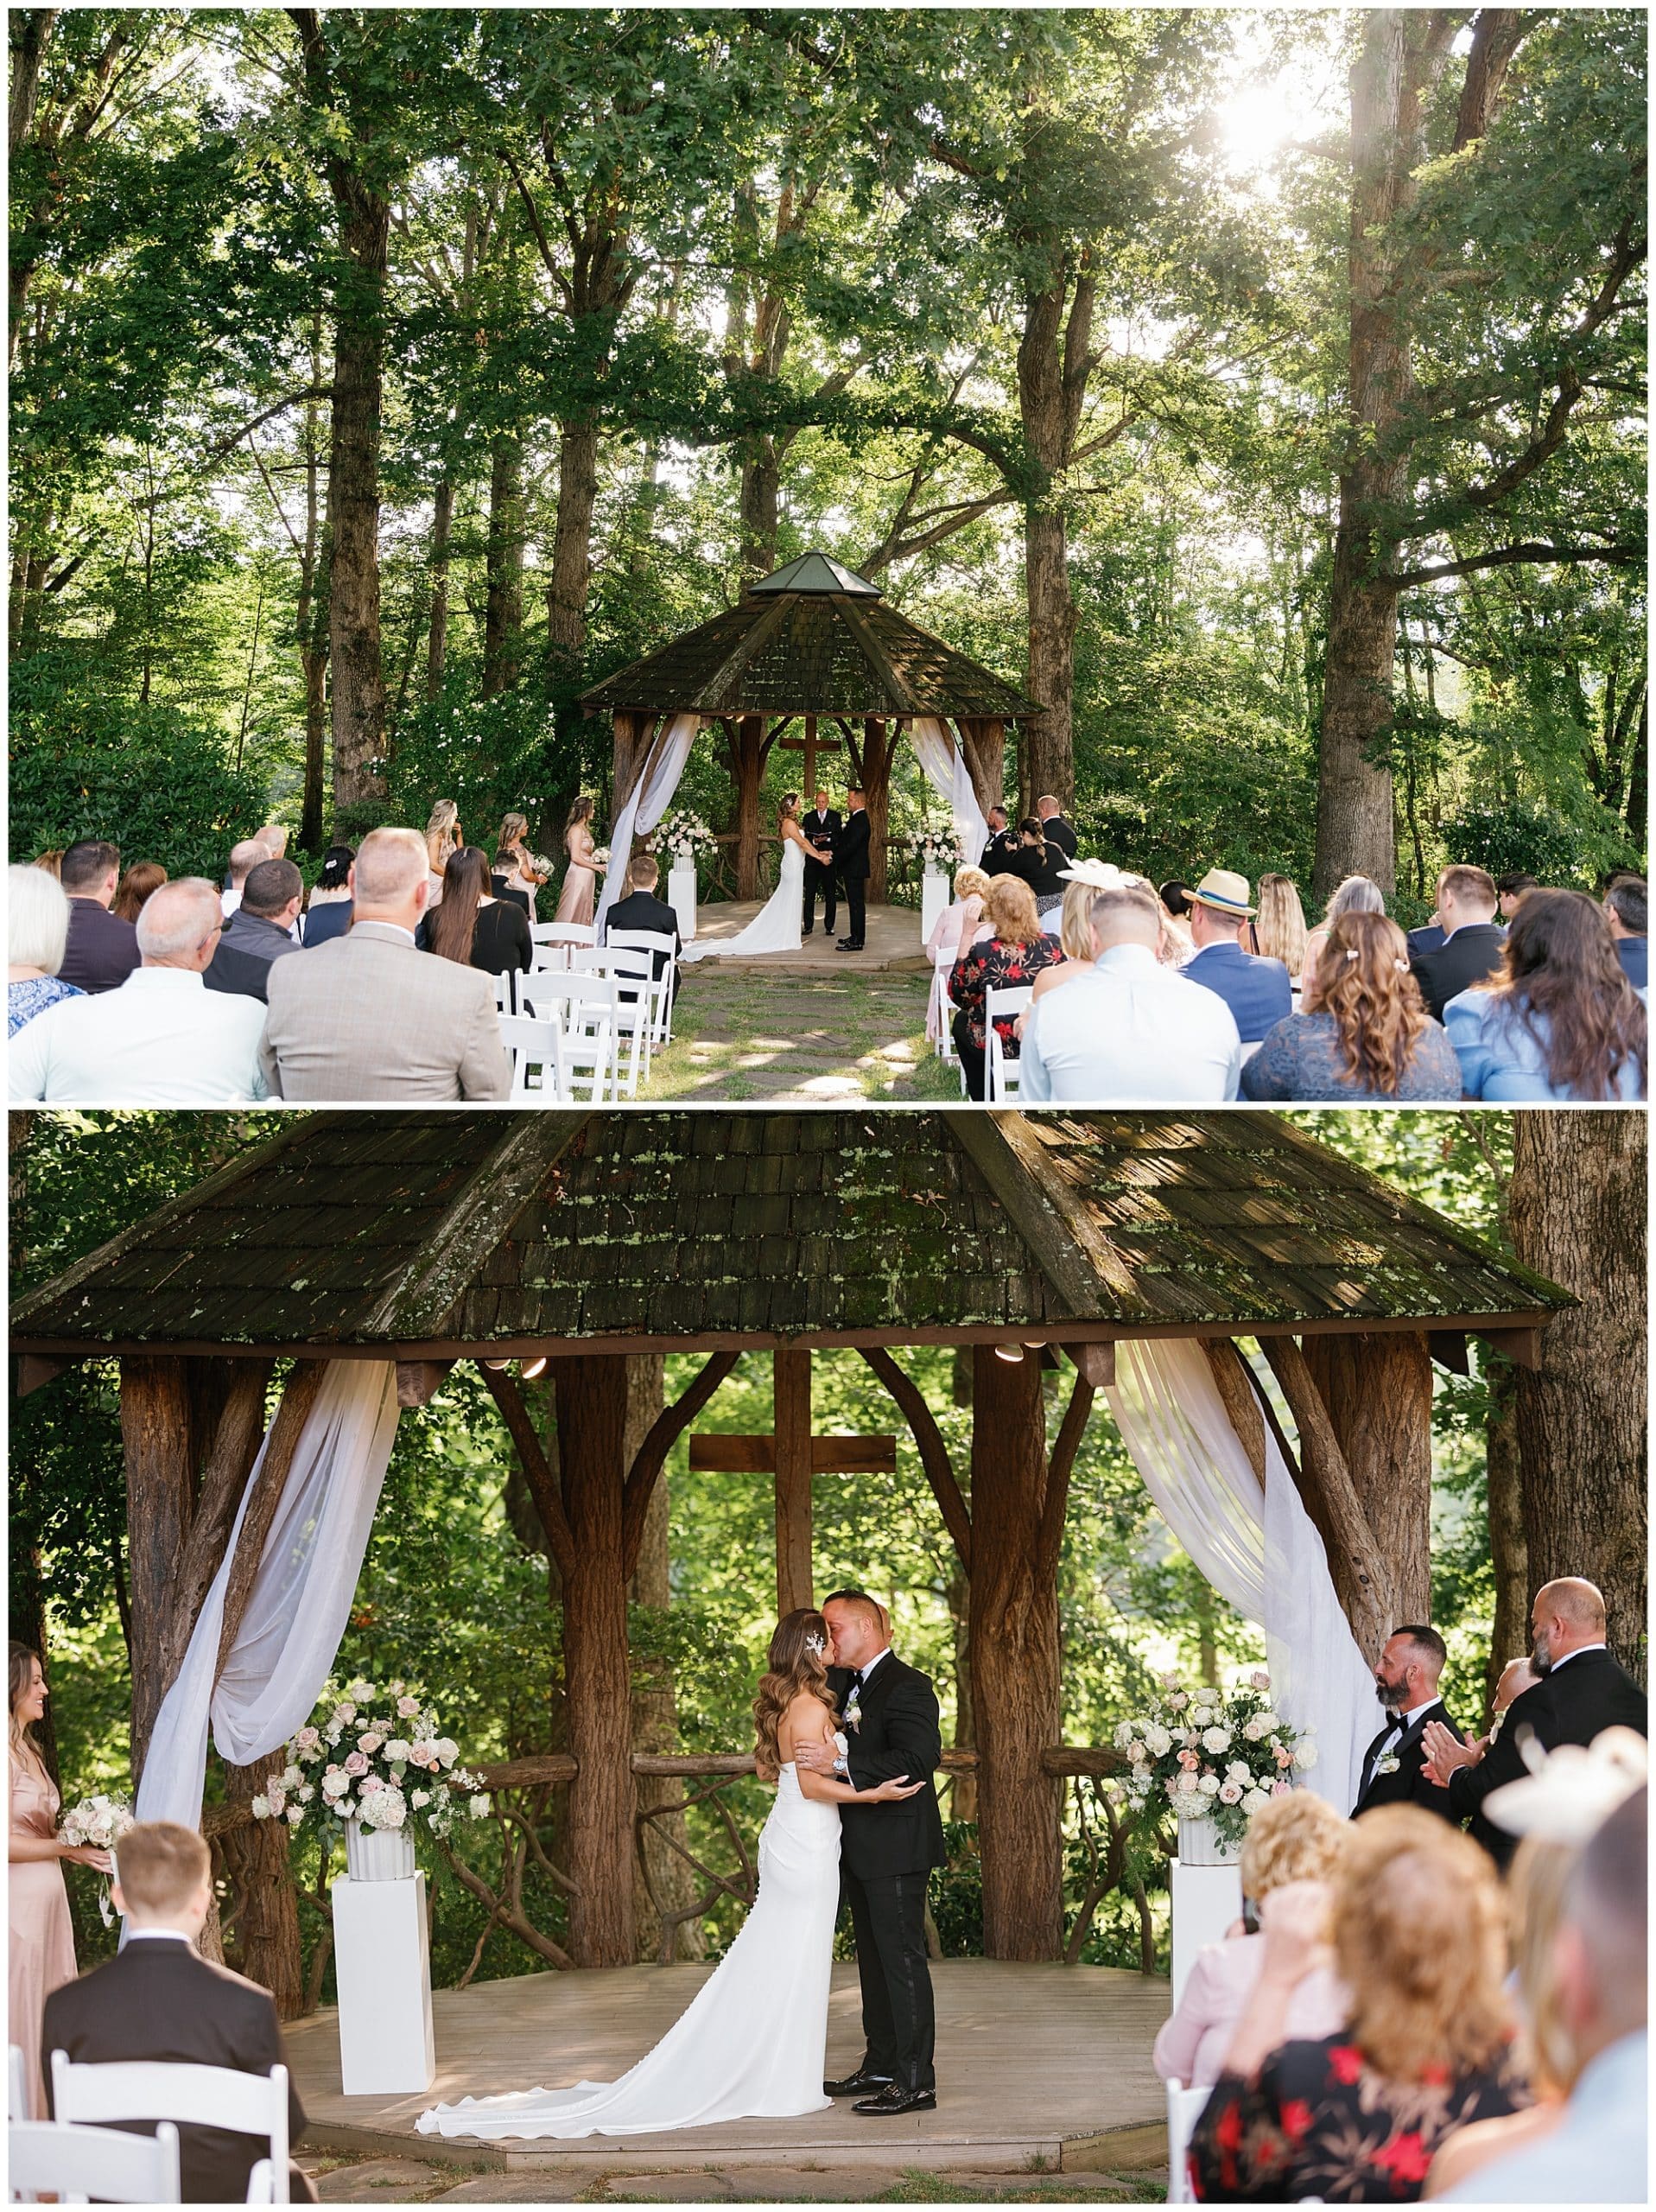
(1206, 1901)
(680, 897)
(383, 1966)
(934, 898)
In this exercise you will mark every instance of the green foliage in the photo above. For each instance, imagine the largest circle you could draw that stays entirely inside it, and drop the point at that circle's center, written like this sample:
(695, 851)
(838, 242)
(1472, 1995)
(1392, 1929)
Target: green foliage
(1505, 839)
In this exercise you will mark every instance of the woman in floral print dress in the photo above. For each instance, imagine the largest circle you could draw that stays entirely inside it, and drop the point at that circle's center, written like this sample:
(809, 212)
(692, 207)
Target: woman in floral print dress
(1016, 954)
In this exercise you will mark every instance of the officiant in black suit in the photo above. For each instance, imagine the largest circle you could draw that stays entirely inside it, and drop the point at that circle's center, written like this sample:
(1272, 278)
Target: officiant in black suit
(160, 2001)
(1394, 1769)
(851, 866)
(1582, 1691)
(889, 1713)
(820, 827)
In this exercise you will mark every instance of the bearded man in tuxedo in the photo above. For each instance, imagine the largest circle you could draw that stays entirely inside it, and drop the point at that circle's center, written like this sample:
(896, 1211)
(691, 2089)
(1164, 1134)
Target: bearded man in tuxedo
(1393, 1770)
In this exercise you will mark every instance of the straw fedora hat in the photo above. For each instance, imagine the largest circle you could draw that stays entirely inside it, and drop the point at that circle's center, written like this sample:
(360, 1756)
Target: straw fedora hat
(1225, 892)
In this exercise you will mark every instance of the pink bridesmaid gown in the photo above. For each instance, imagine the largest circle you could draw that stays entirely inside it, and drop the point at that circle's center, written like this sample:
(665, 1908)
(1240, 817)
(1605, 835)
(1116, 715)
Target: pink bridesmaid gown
(577, 902)
(42, 1954)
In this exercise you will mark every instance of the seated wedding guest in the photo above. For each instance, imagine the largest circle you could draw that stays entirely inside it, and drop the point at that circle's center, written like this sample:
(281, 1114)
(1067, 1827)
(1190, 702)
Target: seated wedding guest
(1082, 884)
(1472, 939)
(1054, 828)
(1003, 842)
(473, 925)
(37, 931)
(1599, 2151)
(1356, 895)
(1369, 1037)
(259, 931)
(1559, 1019)
(1296, 1838)
(1554, 1813)
(1175, 899)
(329, 913)
(41, 1955)
(1257, 991)
(1410, 1923)
(1392, 1772)
(52, 860)
(442, 837)
(1627, 905)
(642, 910)
(1032, 860)
(368, 1016)
(274, 838)
(957, 924)
(102, 951)
(139, 880)
(1278, 930)
(163, 1038)
(1509, 889)
(1129, 1029)
(243, 856)
(1015, 954)
(158, 2000)
(1582, 1691)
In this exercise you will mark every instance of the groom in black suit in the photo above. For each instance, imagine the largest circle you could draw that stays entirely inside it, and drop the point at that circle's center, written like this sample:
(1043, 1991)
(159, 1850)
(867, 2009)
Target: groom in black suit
(851, 866)
(888, 1712)
(1394, 1769)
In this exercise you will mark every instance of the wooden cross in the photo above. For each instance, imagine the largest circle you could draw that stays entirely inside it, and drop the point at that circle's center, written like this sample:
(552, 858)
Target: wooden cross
(793, 1455)
(810, 745)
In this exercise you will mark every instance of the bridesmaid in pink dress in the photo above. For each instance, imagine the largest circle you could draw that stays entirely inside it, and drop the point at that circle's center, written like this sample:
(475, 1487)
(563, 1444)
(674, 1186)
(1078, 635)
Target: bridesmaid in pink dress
(42, 1955)
(577, 901)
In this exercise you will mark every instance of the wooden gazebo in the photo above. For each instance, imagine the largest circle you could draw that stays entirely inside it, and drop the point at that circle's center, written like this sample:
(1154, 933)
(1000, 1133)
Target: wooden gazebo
(1035, 1240)
(815, 644)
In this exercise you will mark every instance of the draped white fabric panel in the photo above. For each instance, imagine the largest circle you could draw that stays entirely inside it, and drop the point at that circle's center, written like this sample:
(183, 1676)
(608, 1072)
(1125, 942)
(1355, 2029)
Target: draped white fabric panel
(652, 795)
(941, 757)
(299, 1605)
(1254, 1543)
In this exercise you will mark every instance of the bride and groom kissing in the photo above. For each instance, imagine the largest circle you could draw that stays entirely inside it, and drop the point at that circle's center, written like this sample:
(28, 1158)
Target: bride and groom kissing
(851, 1737)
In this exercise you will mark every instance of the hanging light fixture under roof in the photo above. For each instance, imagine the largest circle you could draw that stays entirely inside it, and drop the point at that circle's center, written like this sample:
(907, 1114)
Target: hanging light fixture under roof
(1012, 1354)
(495, 1366)
(528, 1369)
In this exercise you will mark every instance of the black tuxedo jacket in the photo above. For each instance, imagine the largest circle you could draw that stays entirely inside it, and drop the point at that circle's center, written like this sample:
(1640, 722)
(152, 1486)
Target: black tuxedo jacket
(160, 2000)
(1586, 1695)
(642, 910)
(996, 856)
(1062, 833)
(900, 1733)
(1468, 958)
(1408, 1786)
(821, 829)
(851, 848)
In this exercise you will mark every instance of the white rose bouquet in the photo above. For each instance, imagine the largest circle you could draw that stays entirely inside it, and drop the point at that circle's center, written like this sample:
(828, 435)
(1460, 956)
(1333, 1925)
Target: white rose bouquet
(1214, 1754)
(373, 1754)
(682, 835)
(101, 1821)
(935, 848)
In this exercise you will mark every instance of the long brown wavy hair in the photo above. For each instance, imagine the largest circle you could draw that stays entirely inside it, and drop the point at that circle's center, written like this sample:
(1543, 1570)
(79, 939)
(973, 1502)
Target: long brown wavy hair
(1363, 981)
(795, 1662)
(465, 879)
(1560, 965)
(21, 1661)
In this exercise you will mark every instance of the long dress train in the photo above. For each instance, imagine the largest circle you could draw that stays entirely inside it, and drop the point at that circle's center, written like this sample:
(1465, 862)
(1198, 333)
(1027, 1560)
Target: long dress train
(777, 926)
(752, 2044)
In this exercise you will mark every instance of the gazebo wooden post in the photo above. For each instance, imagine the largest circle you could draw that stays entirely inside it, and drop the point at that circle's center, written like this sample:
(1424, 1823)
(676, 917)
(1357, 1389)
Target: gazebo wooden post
(156, 1443)
(983, 742)
(1013, 1639)
(748, 754)
(633, 732)
(796, 1457)
(1378, 1390)
(878, 746)
(592, 1406)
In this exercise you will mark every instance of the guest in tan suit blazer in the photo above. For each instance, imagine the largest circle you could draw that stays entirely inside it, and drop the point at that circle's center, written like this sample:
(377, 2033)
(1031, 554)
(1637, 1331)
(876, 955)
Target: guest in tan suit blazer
(367, 1017)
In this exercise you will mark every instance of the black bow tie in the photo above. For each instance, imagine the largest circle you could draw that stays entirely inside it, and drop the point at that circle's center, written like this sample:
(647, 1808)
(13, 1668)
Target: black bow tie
(856, 1679)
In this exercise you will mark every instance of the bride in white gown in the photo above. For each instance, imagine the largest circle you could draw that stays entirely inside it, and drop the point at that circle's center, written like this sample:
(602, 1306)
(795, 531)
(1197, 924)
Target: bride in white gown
(779, 924)
(754, 2044)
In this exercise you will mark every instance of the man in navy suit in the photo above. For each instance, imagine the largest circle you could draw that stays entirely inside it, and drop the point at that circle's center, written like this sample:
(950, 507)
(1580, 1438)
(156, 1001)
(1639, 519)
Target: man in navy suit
(1256, 990)
(1627, 905)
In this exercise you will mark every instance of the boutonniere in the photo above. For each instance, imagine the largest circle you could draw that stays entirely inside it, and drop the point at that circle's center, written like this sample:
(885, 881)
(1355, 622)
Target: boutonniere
(1388, 1765)
(853, 1715)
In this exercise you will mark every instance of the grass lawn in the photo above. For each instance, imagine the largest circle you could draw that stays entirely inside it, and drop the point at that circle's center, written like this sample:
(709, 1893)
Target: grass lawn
(801, 1039)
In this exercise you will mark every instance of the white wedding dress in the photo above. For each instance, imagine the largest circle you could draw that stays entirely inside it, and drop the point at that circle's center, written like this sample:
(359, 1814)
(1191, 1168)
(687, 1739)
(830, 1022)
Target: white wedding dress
(752, 2045)
(779, 924)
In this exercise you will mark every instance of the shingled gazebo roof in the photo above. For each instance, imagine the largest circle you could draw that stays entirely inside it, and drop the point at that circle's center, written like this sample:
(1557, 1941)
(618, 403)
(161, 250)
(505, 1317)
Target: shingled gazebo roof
(437, 1235)
(814, 639)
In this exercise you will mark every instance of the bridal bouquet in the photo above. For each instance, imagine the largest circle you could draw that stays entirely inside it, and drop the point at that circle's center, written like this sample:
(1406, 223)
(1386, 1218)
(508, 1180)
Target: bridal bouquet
(934, 849)
(1216, 1755)
(101, 1821)
(374, 1755)
(684, 834)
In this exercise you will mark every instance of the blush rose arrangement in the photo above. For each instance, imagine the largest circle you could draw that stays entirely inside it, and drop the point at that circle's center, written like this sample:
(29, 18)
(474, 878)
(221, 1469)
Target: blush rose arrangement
(102, 1822)
(375, 1754)
(1214, 1754)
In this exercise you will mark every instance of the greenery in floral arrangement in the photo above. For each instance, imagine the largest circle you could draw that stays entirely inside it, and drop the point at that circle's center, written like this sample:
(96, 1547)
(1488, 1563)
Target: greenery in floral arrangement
(936, 849)
(1216, 1755)
(389, 1770)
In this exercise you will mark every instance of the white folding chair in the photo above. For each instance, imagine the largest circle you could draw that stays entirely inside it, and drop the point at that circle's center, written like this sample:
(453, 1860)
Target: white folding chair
(555, 941)
(197, 2096)
(587, 1006)
(941, 1010)
(17, 2084)
(536, 1047)
(511, 989)
(1184, 2110)
(660, 987)
(1000, 1068)
(632, 974)
(81, 2165)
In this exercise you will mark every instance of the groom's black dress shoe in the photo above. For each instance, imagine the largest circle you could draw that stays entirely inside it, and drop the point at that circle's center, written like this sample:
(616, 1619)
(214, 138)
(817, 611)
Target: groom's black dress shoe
(894, 2098)
(854, 2084)
(850, 944)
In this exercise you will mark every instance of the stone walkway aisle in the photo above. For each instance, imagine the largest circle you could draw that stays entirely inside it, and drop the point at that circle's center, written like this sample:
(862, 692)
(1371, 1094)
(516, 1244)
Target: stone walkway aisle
(800, 1039)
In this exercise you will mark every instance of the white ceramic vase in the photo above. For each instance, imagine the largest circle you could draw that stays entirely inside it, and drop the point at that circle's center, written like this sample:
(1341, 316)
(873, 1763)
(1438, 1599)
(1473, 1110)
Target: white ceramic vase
(378, 1854)
(1201, 1845)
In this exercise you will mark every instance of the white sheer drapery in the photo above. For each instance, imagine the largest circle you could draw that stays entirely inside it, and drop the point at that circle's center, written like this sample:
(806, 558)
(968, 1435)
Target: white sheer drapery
(941, 757)
(298, 1606)
(651, 795)
(1254, 1543)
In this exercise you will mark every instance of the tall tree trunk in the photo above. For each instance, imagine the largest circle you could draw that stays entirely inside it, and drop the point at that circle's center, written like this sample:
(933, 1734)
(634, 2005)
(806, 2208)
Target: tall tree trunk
(437, 636)
(504, 563)
(1378, 1391)
(761, 505)
(255, 1860)
(311, 619)
(1508, 1551)
(156, 1430)
(571, 551)
(1578, 1200)
(359, 692)
(748, 754)
(964, 1797)
(1053, 364)
(878, 744)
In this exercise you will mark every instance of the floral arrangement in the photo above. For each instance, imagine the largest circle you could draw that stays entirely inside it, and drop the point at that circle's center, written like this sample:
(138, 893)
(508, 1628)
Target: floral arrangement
(1216, 1755)
(601, 857)
(389, 1768)
(101, 1821)
(935, 848)
(684, 834)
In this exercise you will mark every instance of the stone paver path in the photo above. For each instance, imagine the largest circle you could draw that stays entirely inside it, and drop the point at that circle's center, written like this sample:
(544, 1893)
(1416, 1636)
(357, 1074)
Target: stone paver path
(800, 1039)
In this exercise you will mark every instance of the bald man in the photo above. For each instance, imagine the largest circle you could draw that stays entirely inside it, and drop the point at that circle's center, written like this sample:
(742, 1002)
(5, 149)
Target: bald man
(1582, 1691)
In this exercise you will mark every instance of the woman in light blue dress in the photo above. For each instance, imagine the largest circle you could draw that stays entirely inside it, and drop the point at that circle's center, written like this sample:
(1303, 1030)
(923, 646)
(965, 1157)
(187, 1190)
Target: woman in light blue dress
(1558, 1020)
